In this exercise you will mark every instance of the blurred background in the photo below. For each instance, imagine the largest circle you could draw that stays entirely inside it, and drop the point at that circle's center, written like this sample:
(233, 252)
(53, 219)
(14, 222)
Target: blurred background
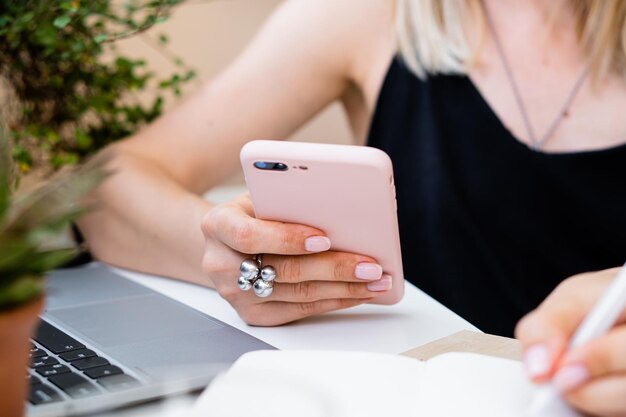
(208, 35)
(76, 76)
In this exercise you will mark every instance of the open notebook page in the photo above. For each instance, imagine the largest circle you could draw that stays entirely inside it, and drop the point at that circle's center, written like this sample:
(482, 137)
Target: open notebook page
(478, 386)
(351, 384)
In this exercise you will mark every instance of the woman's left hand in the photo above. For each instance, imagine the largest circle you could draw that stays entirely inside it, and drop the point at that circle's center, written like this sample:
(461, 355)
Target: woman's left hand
(591, 377)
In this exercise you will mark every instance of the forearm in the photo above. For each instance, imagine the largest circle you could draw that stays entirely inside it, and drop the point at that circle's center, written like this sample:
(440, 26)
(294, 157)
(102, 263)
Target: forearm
(145, 221)
(149, 217)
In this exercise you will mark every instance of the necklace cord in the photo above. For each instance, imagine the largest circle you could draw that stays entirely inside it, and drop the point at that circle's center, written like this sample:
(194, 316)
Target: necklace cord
(536, 144)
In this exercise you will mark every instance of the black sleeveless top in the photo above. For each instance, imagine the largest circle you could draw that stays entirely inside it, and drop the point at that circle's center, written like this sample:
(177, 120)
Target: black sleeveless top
(488, 226)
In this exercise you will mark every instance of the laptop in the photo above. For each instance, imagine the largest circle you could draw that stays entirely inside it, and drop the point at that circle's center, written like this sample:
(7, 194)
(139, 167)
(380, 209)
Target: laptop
(105, 342)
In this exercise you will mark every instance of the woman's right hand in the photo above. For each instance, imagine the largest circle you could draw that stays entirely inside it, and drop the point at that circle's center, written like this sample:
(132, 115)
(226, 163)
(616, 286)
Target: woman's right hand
(310, 279)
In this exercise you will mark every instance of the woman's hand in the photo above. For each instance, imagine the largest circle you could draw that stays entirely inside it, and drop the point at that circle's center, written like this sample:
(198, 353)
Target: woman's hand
(310, 279)
(591, 377)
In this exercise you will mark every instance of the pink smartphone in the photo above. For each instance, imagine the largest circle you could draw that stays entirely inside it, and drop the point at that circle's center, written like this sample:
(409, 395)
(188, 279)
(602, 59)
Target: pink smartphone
(346, 191)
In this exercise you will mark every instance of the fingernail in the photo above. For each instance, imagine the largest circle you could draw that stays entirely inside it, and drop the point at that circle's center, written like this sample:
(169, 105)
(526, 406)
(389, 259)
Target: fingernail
(537, 361)
(368, 271)
(317, 244)
(570, 377)
(382, 284)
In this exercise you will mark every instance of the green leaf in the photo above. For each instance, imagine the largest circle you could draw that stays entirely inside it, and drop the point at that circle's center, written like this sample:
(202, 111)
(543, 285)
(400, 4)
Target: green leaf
(83, 140)
(21, 291)
(191, 74)
(62, 21)
(52, 137)
(157, 106)
(45, 261)
(59, 65)
(15, 252)
(22, 156)
(130, 6)
(101, 37)
(26, 18)
(60, 159)
(46, 35)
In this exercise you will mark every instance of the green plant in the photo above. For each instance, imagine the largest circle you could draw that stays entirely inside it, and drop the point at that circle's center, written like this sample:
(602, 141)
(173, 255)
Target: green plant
(70, 92)
(31, 223)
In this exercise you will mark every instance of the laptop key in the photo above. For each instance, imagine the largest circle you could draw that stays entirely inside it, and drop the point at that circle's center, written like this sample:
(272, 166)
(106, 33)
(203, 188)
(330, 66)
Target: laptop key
(90, 363)
(74, 385)
(75, 355)
(118, 382)
(54, 339)
(33, 379)
(43, 361)
(43, 394)
(57, 369)
(37, 353)
(102, 371)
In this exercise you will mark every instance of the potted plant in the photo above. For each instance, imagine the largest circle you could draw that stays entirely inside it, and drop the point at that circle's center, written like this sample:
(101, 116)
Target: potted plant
(29, 227)
(67, 90)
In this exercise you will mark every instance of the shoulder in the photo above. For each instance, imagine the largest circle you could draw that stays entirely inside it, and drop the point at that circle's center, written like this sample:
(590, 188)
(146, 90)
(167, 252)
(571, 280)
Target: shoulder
(346, 32)
(352, 18)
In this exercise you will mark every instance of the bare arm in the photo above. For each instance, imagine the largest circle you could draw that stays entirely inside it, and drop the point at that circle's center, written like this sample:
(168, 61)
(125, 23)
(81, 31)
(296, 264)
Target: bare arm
(151, 212)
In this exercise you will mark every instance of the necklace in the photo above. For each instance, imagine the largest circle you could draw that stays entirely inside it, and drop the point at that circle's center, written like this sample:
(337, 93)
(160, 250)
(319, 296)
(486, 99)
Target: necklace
(536, 142)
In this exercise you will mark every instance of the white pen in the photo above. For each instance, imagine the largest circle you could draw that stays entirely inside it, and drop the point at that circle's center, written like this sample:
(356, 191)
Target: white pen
(547, 400)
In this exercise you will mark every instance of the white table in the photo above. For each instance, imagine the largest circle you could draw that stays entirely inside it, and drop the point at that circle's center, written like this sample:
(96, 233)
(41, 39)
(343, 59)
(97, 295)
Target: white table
(416, 320)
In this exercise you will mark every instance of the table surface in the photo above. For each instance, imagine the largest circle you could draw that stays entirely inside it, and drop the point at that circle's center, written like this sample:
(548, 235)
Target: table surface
(416, 320)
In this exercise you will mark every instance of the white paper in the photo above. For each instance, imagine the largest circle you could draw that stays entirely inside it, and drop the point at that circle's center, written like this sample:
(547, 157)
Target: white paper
(358, 384)
(471, 385)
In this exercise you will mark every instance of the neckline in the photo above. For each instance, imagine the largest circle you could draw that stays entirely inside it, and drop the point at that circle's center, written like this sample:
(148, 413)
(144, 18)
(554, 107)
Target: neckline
(522, 145)
(397, 64)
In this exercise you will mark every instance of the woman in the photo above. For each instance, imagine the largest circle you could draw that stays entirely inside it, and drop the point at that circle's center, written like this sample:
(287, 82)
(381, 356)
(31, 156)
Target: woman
(503, 120)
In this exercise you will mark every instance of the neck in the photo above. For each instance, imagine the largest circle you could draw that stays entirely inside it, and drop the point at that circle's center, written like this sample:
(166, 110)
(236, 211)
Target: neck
(541, 22)
(555, 13)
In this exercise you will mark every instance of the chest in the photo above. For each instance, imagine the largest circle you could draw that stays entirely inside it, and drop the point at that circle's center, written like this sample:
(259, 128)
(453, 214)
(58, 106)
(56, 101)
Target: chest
(593, 119)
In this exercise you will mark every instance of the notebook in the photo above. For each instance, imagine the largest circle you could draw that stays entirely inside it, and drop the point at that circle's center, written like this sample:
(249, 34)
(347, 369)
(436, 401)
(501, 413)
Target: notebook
(351, 384)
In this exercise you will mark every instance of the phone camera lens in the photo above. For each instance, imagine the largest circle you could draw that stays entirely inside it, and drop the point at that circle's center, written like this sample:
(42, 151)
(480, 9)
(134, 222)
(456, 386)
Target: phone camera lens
(270, 166)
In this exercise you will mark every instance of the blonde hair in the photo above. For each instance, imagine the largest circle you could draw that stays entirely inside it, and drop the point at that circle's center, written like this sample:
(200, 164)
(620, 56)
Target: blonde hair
(433, 34)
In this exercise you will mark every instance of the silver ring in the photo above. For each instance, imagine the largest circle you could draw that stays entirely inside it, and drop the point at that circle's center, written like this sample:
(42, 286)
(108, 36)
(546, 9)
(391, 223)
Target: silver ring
(253, 275)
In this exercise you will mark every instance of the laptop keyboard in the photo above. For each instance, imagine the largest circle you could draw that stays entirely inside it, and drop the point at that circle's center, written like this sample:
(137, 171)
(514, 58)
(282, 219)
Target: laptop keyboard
(61, 364)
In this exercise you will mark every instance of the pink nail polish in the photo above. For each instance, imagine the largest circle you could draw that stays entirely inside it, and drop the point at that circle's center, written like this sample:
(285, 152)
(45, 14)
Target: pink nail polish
(537, 360)
(570, 377)
(382, 284)
(317, 244)
(368, 271)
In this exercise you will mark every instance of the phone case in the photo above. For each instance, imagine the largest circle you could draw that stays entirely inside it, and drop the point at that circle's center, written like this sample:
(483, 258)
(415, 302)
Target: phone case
(346, 191)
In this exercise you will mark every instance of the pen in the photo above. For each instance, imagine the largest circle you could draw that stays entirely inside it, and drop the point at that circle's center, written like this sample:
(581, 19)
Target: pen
(547, 400)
